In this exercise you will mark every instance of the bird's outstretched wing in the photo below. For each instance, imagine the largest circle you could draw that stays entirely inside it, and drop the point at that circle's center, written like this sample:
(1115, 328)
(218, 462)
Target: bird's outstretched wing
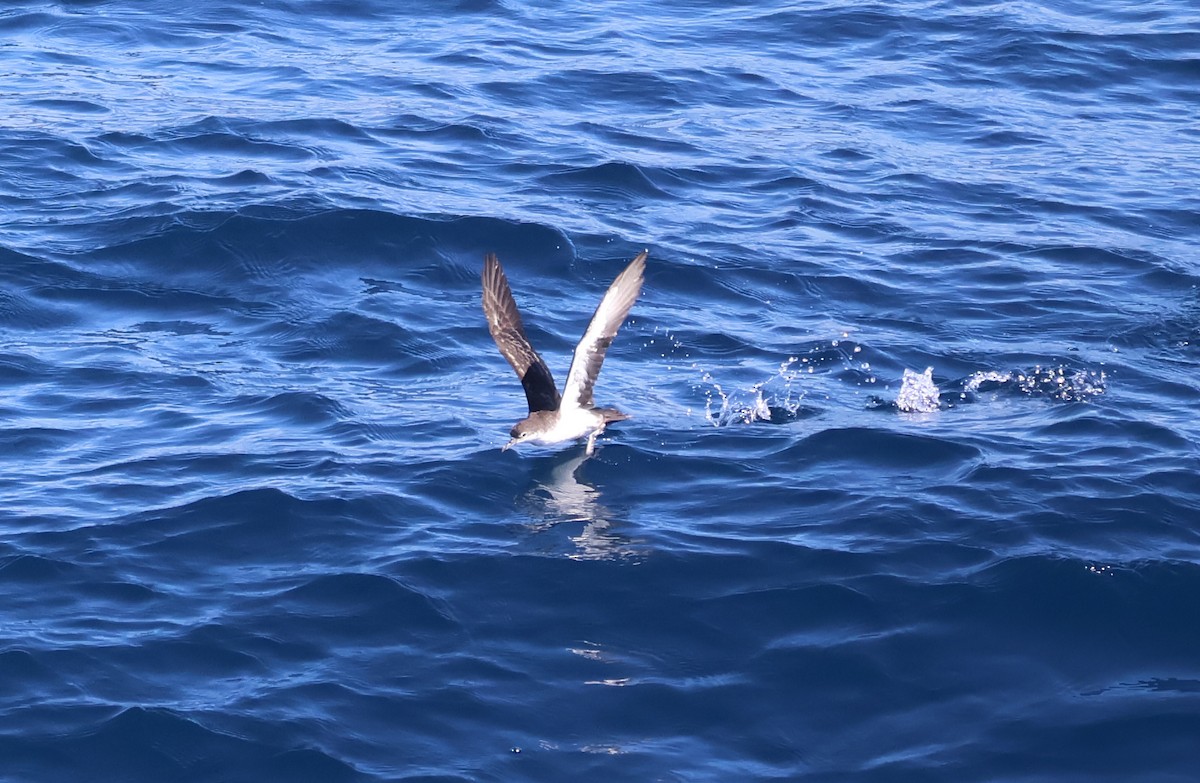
(609, 315)
(504, 322)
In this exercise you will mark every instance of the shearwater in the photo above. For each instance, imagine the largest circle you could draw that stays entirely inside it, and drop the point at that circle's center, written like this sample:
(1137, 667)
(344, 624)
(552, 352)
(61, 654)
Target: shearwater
(553, 418)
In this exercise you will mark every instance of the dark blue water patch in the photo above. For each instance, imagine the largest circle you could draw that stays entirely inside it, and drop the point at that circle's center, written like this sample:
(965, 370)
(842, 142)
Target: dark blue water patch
(622, 181)
(352, 338)
(120, 593)
(34, 569)
(319, 131)
(1158, 730)
(297, 407)
(374, 9)
(1169, 327)
(1097, 428)
(1106, 621)
(1114, 261)
(355, 611)
(247, 525)
(95, 604)
(190, 272)
(200, 143)
(371, 241)
(20, 308)
(803, 29)
(26, 442)
(178, 328)
(1006, 138)
(825, 612)
(105, 389)
(22, 671)
(183, 749)
(21, 22)
(884, 450)
(631, 138)
(74, 107)
(628, 89)
(180, 662)
(27, 272)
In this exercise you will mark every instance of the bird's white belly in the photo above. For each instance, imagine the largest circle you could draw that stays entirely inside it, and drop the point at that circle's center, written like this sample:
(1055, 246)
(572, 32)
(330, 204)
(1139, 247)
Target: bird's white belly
(572, 425)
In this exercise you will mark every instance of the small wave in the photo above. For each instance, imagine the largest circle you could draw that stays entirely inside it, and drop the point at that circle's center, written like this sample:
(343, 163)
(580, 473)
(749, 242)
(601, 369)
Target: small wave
(609, 178)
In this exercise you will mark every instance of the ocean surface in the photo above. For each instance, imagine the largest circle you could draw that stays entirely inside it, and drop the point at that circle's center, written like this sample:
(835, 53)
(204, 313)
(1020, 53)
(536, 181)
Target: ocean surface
(912, 487)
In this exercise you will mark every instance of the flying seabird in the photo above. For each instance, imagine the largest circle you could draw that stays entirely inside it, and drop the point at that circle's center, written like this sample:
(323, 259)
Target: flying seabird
(553, 418)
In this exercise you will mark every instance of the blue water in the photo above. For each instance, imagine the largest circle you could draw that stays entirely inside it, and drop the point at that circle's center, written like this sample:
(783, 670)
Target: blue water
(255, 524)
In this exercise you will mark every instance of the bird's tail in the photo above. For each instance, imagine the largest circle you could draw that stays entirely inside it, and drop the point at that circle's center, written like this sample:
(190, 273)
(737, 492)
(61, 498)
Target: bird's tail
(612, 414)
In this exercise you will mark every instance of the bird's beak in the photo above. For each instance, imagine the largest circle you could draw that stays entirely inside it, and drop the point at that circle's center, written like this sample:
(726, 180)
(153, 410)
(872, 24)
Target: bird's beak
(509, 445)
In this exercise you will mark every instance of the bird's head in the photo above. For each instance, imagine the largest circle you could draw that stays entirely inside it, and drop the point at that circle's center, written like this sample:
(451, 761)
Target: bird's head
(526, 428)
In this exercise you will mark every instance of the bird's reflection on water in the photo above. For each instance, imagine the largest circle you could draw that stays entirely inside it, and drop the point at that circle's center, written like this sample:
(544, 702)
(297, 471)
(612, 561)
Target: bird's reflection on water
(559, 497)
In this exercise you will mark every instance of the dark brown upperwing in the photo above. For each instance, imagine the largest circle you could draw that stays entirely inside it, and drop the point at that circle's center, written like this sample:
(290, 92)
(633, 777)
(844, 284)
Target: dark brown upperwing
(504, 322)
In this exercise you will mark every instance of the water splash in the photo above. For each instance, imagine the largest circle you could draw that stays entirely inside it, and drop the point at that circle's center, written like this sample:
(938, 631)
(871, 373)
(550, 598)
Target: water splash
(1060, 383)
(776, 399)
(918, 393)
(670, 348)
(772, 400)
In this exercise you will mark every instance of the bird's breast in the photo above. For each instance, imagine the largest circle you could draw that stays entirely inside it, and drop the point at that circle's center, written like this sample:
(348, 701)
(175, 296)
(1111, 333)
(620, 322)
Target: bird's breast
(573, 423)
